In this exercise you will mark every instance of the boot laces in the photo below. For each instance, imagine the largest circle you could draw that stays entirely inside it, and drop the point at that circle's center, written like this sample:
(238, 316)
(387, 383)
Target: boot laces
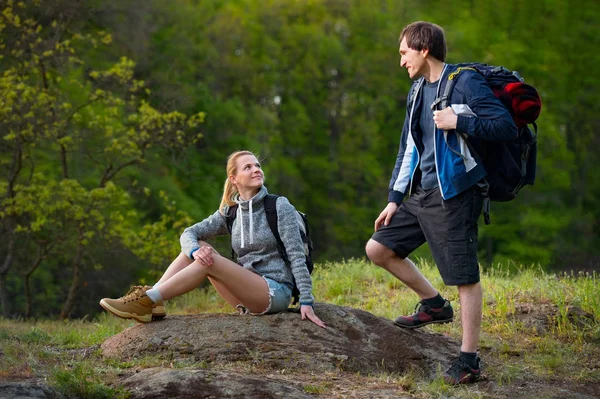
(421, 307)
(134, 293)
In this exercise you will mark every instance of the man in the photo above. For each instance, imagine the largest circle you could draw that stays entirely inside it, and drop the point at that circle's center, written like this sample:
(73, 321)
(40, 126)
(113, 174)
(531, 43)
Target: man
(441, 180)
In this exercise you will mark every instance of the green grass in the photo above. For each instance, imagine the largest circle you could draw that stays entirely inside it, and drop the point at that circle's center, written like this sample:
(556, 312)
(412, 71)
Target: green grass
(67, 354)
(81, 381)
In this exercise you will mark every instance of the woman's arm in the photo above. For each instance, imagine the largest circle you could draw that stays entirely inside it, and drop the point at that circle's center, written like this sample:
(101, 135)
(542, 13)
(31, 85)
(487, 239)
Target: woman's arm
(289, 231)
(212, 226)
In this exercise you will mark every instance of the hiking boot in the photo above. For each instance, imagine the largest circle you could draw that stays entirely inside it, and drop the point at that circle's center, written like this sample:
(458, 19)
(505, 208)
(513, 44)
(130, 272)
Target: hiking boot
(461, 373)
(158, 311)
(134, 305)
(424, 314)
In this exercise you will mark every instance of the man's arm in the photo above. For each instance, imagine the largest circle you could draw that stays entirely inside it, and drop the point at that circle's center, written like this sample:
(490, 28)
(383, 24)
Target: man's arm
(395, 193)
(491, 120)
(401, 173)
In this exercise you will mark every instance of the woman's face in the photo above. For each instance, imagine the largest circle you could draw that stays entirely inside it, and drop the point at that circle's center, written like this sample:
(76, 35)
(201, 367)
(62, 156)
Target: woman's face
(249, 174)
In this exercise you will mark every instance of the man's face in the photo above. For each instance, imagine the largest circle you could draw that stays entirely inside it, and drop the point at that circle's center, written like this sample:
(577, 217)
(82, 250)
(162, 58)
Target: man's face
(412, 60)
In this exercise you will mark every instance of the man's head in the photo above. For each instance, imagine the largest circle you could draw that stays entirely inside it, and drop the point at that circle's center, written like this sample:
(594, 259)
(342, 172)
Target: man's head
(418, 41)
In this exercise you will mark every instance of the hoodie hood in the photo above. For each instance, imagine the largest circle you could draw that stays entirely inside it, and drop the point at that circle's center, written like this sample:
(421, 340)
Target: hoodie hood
(249, 206)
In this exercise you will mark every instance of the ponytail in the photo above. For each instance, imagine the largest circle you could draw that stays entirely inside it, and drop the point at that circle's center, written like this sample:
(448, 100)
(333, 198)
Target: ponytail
(229, 189)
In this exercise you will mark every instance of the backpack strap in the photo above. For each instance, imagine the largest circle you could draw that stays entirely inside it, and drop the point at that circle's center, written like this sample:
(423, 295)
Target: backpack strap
(483, 185)
(450, 83)
(229, 219)
(271, 212)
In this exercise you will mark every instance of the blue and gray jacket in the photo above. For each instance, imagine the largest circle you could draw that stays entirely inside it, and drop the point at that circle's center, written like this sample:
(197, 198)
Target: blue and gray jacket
(481, 116)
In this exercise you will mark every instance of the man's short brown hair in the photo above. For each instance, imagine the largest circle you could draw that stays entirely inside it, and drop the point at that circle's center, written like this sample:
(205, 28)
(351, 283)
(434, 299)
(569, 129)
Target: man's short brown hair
(422, 35)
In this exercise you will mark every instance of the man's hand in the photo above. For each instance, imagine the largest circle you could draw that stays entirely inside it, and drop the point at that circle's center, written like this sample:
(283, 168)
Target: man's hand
(445, 119)
(386, 215)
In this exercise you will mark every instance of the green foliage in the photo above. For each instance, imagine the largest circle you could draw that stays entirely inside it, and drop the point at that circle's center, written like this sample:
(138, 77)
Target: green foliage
(99, 173)
(321, 82)
(70, 131)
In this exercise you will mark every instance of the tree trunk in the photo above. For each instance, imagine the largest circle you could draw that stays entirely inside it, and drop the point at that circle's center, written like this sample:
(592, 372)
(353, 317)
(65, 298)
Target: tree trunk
(26, 283)
(27, 296)
(74, 290)
(3, 273)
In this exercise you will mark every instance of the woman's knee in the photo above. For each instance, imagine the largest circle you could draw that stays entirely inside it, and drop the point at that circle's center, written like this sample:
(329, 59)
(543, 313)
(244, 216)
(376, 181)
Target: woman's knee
(197, 266)
(377, 252)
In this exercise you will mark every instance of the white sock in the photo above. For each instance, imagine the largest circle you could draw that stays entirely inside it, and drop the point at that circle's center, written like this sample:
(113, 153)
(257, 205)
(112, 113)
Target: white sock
(156, 285)
(154, 295)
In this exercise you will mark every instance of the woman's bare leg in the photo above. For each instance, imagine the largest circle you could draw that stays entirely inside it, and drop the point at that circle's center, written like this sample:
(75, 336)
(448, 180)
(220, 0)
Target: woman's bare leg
(250, 288)
(224, 292)
(181, 262)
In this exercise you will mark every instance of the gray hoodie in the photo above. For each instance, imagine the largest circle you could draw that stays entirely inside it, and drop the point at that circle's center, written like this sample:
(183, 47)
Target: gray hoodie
(253, 241)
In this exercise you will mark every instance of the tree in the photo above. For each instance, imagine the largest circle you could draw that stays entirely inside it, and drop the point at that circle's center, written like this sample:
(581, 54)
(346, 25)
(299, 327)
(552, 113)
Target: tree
(69, 134)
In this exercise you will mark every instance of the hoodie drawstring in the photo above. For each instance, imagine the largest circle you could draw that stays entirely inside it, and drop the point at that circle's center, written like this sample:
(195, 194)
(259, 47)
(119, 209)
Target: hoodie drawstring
(251, 222)
(240, 216)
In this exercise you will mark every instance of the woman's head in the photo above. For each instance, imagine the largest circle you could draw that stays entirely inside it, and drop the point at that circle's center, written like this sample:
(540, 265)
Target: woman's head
(243, 173)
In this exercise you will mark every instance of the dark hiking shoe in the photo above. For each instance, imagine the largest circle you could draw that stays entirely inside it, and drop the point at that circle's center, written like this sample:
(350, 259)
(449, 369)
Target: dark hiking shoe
(426, 315)
(461, 373)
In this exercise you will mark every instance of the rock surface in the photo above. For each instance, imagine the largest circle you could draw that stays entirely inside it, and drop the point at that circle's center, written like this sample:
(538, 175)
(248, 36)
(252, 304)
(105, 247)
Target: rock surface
(158, 383)
(27, 390)
(354, 341)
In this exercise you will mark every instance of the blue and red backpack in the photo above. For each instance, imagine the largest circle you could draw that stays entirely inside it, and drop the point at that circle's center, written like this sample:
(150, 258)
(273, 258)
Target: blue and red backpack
(509, 164)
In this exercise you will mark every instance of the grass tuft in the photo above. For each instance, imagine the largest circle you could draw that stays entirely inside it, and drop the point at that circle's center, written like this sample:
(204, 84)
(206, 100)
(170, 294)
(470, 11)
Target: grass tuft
(80, 381)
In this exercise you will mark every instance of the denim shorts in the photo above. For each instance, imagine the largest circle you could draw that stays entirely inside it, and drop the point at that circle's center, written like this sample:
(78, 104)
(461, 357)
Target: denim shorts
(280, 296)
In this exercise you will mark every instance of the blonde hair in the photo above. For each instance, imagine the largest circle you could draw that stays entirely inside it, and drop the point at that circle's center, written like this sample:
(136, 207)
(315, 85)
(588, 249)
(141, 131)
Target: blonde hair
(229, 189)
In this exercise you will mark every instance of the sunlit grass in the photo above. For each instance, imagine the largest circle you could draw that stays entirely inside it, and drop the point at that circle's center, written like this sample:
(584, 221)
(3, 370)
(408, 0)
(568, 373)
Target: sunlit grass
(360, 284)
(561, 350)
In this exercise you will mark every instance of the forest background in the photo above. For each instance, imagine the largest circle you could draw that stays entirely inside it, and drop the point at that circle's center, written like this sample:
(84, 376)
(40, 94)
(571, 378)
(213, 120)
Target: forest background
(116, 118)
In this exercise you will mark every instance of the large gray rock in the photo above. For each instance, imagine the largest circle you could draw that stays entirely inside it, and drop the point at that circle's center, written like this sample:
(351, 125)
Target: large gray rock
(158, 383)
(355, 341)
(27, 390)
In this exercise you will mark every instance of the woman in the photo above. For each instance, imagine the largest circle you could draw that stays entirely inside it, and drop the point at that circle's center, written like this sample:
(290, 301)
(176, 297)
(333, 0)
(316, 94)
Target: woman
(262, 285)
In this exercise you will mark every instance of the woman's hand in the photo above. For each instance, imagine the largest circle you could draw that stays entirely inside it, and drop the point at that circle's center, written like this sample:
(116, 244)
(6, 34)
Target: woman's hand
(204, 255)
(308, 312)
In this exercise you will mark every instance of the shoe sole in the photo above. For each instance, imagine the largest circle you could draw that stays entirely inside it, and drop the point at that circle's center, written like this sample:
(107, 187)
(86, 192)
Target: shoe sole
(467, 379)
(126, 315)
(158, 313)
(158, 316)
(423, 324)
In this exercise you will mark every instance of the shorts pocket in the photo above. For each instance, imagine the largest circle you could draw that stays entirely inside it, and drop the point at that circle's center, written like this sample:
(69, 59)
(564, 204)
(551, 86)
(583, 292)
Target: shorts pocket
(463, 257)
(279, 296)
